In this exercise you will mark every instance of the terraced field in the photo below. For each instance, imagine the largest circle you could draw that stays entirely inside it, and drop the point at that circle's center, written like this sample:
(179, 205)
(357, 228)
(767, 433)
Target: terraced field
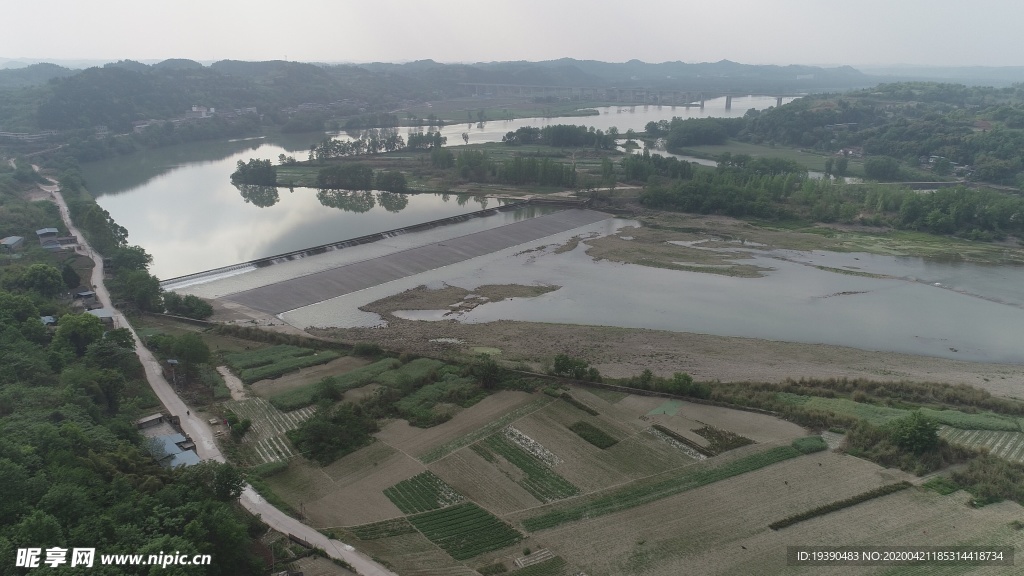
(1004, 444)
(266, 437)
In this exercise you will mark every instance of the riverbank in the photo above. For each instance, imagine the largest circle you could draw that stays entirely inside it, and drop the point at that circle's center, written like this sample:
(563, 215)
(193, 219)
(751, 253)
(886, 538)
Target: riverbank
(624, 352)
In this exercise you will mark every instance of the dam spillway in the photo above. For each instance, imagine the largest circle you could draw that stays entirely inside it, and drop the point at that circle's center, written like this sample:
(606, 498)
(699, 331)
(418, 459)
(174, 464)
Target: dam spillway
(309, 289)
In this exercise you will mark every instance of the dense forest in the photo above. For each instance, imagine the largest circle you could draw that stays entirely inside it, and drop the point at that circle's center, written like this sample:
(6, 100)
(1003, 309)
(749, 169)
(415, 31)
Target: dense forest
(74, 470)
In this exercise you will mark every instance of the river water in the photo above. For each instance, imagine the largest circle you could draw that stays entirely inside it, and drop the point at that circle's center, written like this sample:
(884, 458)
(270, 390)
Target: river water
(178, 204)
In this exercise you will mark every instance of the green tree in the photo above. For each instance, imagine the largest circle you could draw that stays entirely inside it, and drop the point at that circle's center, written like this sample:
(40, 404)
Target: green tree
(141, 289)
(42, 279)
(71, 278)
(191, 349)
(77, 331)
(916, 433)
(842, 165)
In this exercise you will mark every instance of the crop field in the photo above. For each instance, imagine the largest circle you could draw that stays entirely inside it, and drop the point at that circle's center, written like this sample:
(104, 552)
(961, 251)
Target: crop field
(421, 493)
(669, 484)
(484, 483)
(266, 438)
(268, 388)
(1008, 445)
(305, 395)
(480, 427)
(275, 361)
(385, 529)
(538, 478)
(465, 530)
(722, 528)
(593, 434)
(881, 414)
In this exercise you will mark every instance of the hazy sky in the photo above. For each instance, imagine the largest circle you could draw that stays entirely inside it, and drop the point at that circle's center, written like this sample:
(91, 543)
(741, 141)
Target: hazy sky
(933, 32)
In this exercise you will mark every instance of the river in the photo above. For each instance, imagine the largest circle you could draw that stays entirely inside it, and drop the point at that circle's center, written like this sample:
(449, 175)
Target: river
(177, 202)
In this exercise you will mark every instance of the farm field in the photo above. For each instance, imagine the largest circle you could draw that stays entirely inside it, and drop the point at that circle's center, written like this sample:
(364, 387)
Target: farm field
(268, 388)
(1008, 445)
(266, 441)
(881, 414)
(274, 361)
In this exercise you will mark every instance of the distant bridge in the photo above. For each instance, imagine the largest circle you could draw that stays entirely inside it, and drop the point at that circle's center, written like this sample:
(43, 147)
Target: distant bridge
(610, 94)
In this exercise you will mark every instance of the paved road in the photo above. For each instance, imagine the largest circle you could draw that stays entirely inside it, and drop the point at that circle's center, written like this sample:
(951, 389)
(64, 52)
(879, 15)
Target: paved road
(199, 430)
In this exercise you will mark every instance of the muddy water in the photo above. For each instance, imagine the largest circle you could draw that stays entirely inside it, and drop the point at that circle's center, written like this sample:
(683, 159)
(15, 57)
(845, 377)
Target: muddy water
(794, 302)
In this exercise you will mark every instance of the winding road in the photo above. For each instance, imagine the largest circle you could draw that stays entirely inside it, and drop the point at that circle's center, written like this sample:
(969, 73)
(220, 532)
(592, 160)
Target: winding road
(199, 430)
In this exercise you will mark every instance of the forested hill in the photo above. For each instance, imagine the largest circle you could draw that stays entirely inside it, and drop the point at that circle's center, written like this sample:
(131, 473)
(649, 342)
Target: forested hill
(45, 96)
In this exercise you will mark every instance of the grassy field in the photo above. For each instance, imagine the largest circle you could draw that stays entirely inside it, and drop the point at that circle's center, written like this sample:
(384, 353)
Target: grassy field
(810, 160)
(274, 361)
(306, 394)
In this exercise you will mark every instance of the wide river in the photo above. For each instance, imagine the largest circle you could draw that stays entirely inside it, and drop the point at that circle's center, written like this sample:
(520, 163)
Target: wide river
(178, 204)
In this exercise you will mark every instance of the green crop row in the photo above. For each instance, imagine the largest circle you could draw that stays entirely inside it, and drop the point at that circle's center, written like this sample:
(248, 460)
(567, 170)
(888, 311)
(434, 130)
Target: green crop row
(839, 505)
(465, 530)
(593, 434)
(421, 493)
(285, 365)
(264, 356)
(305, 395)
(539, 480)
(385, 529)
(650, 491)
(980, 421)
(683, 440)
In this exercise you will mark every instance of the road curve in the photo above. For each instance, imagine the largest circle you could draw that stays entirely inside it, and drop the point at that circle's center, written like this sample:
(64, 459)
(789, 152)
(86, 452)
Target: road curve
(199, 430)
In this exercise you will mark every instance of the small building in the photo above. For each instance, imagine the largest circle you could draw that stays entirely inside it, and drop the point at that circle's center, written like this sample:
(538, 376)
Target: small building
(148, 421)
(48, 320)
(86, 296)
(173, 450)
(104, 314)
(45, 233)
(12, 243)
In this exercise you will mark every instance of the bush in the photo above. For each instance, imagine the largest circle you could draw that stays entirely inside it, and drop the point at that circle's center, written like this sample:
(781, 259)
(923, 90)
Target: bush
(810, 444)
(593, 434)
(852, 501)
(367, 349)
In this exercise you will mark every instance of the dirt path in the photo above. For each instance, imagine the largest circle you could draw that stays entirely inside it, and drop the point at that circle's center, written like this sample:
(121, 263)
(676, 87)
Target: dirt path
(233, 383)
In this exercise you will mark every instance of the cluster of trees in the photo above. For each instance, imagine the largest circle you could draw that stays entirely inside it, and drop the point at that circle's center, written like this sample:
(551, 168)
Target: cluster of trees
(360, 177)
(911, 443)
(369, 141)
(255, 171)
(576, 368)
(561, 135)
(478, 166)
(189, 306)
(427, 141)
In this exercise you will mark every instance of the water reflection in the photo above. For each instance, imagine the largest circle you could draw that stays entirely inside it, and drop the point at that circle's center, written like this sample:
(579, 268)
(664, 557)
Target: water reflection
(357, 201)
(257, 195)
(394, 202)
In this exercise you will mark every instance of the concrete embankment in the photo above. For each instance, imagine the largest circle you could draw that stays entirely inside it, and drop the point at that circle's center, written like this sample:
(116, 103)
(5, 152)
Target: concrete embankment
(293, 293)
(224, 271)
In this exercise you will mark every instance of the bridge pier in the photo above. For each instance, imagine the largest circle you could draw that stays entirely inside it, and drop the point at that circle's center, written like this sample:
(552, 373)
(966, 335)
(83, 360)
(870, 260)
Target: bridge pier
(778, 101)
(728, 102)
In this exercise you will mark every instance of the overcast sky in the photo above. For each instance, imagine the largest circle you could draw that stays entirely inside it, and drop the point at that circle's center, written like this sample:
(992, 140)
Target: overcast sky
(856, 32)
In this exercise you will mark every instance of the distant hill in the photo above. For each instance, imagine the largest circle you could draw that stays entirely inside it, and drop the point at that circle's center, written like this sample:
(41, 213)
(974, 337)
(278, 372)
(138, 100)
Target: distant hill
(32, 75)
